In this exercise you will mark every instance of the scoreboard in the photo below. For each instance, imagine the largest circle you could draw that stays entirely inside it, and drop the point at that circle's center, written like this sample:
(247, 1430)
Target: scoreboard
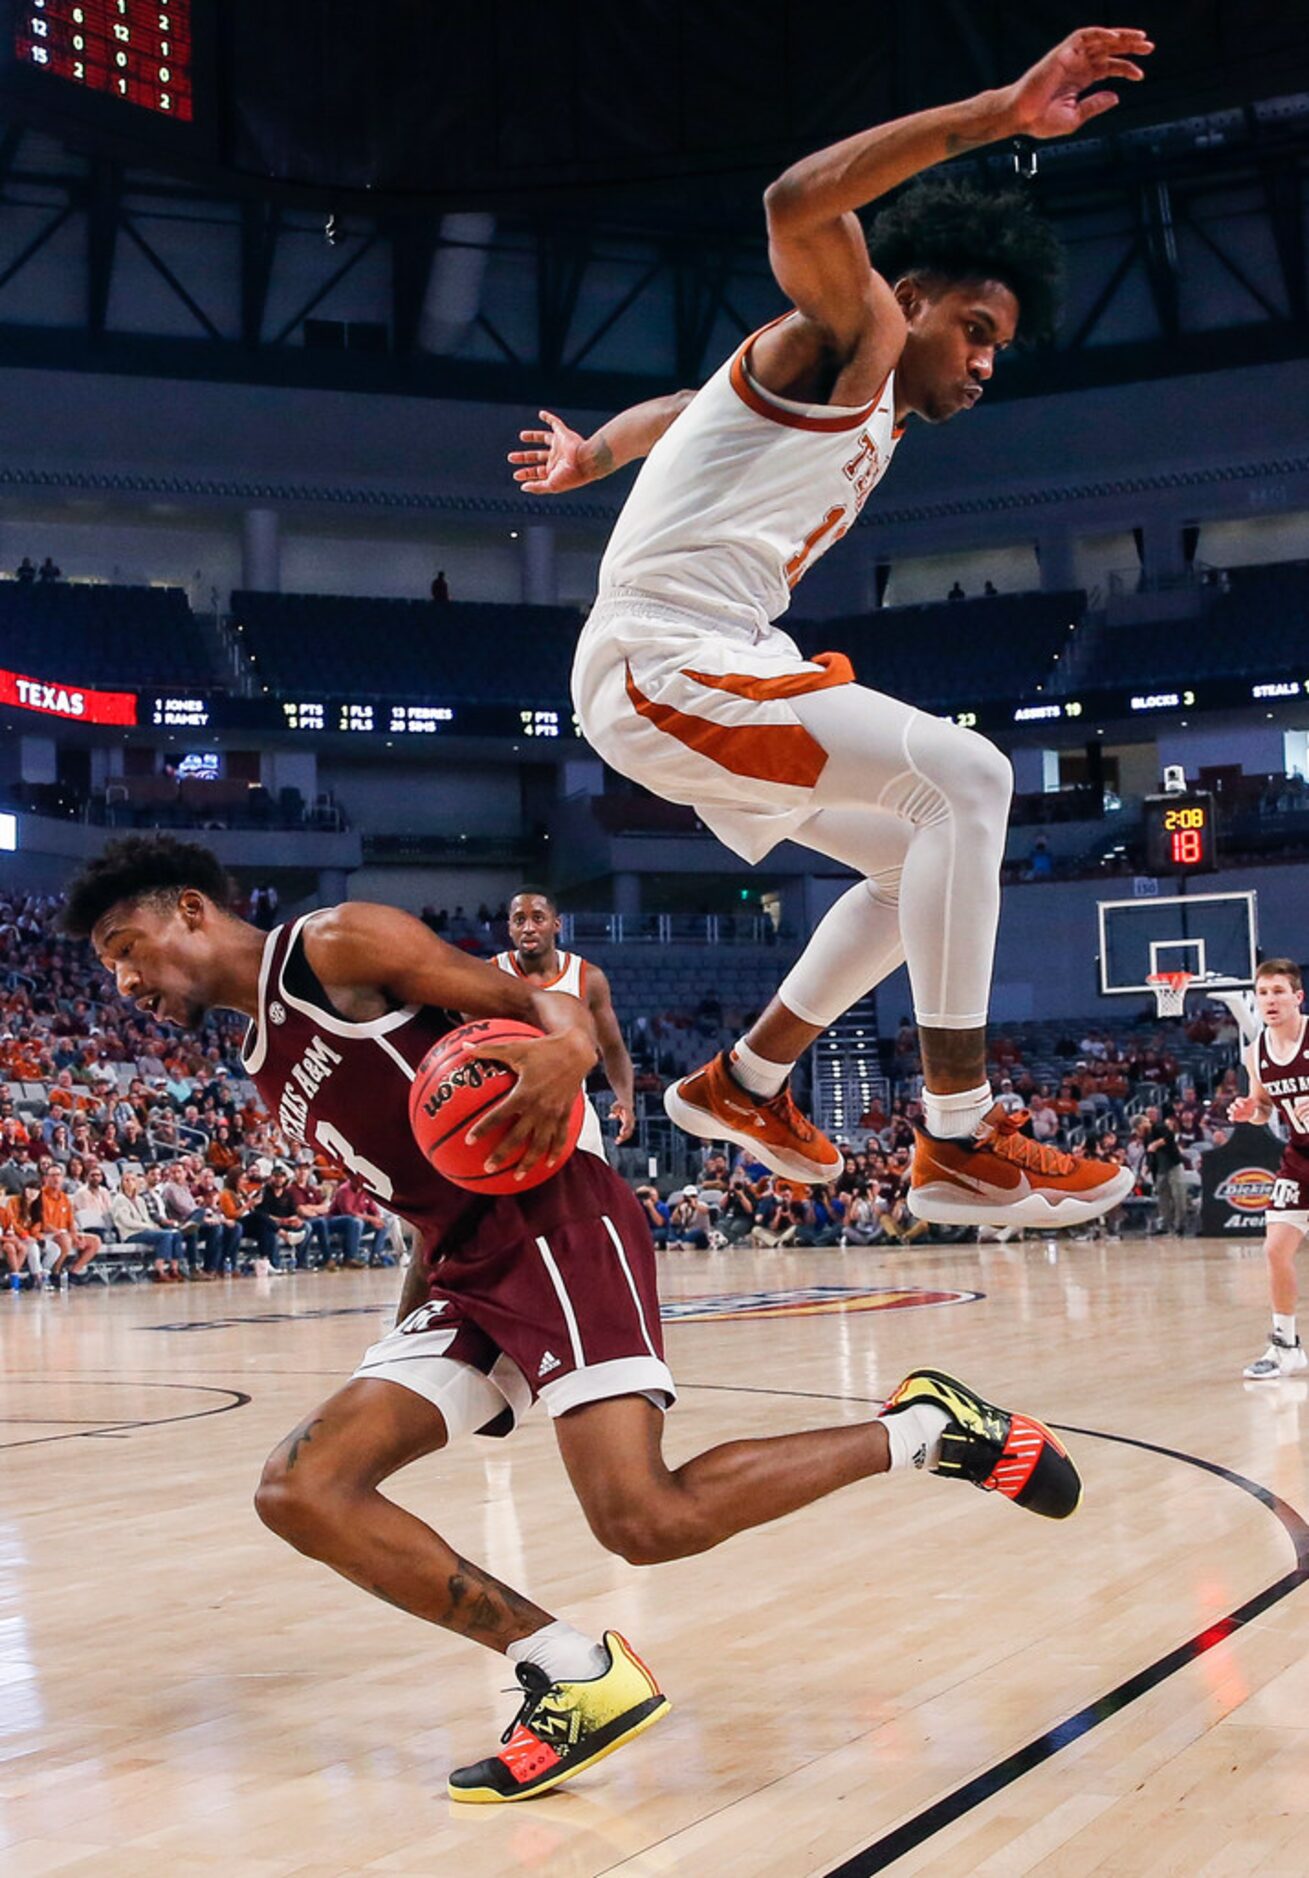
(136, 51)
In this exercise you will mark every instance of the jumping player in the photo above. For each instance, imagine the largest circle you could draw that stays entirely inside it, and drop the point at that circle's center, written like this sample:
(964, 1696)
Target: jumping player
(549, 1294)
(1278, 1064)
(683, 682)
(537, 960)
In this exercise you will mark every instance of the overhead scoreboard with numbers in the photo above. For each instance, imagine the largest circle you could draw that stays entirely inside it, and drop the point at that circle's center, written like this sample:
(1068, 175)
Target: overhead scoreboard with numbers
(138, 51)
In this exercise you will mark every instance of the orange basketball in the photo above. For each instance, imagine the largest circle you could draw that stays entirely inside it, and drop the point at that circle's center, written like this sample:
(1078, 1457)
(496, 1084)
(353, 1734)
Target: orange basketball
(457, 1082)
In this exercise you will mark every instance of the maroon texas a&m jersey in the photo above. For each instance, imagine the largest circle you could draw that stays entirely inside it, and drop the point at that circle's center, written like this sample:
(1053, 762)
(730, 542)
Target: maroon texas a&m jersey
(1287, 1083)
(344, 1087)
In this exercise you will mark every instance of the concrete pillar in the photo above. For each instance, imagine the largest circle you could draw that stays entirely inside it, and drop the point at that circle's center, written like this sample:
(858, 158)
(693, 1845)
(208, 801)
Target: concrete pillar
(38, 759)
(540, 574)
(1029, 770)
(261, 551)
(627, 895)
(1054, 551)
(1163, 554)
(454, 287)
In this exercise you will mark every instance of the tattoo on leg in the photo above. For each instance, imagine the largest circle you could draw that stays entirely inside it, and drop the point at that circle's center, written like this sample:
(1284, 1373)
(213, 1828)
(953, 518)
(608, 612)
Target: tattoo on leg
(481, 1606)
(294, 1442)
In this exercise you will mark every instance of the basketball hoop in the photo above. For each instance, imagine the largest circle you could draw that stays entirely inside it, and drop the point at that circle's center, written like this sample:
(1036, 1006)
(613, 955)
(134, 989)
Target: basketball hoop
(1170, 989)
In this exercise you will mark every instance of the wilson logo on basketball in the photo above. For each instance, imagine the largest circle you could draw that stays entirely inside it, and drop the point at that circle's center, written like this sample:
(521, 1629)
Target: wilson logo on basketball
(1249, 1190)
(472, 1075)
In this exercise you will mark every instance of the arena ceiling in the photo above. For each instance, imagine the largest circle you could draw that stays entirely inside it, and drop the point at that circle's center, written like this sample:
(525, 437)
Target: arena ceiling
(561, 202)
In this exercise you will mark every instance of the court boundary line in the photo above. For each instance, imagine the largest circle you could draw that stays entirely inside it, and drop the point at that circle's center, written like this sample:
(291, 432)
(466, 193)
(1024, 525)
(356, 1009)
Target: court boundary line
(90, 1432)
(934, 1818)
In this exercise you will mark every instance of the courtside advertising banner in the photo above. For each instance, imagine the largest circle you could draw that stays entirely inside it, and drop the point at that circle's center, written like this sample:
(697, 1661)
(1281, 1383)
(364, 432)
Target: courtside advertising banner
(1236, 1183)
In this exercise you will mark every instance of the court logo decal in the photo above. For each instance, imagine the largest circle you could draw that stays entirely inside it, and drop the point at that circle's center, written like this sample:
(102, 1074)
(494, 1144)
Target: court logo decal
(1249, 1190)
(805, 1301)
(722, 1307)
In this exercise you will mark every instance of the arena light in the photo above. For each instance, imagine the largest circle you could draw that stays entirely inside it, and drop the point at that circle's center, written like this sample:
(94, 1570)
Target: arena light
(8, 834)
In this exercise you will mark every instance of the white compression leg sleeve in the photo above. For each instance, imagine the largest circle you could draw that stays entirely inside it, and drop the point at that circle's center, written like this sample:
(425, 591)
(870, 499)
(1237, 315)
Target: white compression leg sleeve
(950, 789)
(857, 942)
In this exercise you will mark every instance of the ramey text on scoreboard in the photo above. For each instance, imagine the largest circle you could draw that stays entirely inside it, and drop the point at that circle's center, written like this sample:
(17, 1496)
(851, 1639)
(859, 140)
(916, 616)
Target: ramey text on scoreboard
(139, 51)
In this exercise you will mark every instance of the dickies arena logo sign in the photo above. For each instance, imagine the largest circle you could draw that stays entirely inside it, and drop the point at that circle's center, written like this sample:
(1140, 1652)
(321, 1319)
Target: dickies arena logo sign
(1248, 1190)
(805, 1301)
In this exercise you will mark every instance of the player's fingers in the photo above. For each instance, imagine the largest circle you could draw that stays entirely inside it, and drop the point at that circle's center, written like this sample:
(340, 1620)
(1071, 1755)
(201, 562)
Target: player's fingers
(555, 423)
(1121, 68)
(1095, 105)
(535, 436)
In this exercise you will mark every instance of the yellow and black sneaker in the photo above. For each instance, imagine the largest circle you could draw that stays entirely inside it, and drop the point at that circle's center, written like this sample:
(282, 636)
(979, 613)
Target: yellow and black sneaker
(564, 1727)
(997, 1450)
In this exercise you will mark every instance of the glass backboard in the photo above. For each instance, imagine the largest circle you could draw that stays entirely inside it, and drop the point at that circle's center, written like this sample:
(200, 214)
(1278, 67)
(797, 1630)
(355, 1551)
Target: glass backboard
(1214, 936)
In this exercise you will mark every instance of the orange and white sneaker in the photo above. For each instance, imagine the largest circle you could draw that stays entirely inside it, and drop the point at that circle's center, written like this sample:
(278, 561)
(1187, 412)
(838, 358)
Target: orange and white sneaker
(712, 1104)
(1004, 1178)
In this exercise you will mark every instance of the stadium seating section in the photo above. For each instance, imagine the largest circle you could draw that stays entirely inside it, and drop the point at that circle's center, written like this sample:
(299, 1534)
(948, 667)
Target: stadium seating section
(461, 651)
(107, 637)
(957, 652)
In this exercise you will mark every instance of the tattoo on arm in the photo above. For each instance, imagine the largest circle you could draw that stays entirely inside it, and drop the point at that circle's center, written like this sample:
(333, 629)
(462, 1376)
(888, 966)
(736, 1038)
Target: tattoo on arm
(601, 455)
(958, 145)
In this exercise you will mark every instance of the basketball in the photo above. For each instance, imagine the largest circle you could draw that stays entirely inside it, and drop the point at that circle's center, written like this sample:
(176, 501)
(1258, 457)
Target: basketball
(457, 1082)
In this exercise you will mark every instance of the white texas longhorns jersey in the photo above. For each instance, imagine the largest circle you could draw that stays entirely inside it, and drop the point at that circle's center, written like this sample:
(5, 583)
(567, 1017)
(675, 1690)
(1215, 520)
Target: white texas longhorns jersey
(571, 978)
(743, 493)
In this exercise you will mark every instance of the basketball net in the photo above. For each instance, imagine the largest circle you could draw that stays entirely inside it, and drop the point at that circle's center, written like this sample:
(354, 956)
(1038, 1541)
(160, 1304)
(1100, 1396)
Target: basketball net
(1170, 989)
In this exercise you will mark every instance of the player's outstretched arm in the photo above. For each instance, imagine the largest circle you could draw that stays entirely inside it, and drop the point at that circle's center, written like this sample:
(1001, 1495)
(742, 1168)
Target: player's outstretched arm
(816, 243)
(559, 459)
(613, 1052)
(360, 946)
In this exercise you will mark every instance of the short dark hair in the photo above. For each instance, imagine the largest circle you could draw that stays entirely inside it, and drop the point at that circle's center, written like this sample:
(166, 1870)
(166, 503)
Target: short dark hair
(137, 866)
(1280, 968)
(535, 893)
(944, 227)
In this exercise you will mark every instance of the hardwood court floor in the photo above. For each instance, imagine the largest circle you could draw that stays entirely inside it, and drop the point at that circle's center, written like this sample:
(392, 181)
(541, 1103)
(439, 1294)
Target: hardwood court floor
(179, 1693)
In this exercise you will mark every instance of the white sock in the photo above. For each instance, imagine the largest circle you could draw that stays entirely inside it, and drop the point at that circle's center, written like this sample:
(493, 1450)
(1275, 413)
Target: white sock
(562, 1652)
(953, 1116)
(914, 1435)
(1284, 1326)
(755, 1072)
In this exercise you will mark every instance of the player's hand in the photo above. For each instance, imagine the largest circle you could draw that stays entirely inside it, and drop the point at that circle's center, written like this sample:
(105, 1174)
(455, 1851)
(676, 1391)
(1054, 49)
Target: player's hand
(550, 1072)
(626, 1123)
(1243, 1109)
(553, 464)
(1048, 100)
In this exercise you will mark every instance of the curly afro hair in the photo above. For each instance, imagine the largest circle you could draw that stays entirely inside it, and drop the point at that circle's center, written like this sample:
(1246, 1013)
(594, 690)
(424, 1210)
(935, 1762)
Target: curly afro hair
(948, 229)
(137, 867)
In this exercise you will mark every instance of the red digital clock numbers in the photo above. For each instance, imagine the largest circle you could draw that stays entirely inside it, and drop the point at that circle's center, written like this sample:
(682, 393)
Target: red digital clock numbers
(1179, 832)
(130, 49)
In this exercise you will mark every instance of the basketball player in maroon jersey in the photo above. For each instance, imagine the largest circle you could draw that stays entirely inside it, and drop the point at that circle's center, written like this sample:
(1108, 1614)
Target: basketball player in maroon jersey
(535, 956)
(548, 1293)
(1278, 1063)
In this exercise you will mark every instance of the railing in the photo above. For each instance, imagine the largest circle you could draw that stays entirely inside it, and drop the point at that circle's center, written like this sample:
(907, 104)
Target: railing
(664, 929)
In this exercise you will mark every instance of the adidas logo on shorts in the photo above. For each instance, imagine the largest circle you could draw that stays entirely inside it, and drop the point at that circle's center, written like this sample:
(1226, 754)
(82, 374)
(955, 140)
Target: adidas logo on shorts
(548, 1362)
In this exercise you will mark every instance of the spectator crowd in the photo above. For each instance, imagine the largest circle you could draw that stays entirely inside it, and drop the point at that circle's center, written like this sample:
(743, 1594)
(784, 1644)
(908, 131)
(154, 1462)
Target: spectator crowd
(123, 1142)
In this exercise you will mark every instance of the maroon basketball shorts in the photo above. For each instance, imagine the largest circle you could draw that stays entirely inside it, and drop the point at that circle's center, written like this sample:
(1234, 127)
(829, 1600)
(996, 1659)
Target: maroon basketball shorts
(1289, 1205)
(570, 1317)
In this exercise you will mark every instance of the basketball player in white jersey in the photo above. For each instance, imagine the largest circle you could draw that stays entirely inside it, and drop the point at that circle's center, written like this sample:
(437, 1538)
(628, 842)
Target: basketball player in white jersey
(683, 681)
(535, 957)
(1278, 1064)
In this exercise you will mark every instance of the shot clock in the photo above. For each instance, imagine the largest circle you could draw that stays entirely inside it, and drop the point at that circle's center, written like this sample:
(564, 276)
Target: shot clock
(1179, 833)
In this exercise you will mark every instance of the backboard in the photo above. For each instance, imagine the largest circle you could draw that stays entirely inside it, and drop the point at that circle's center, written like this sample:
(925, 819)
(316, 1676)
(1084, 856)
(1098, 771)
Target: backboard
(1212, 935)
